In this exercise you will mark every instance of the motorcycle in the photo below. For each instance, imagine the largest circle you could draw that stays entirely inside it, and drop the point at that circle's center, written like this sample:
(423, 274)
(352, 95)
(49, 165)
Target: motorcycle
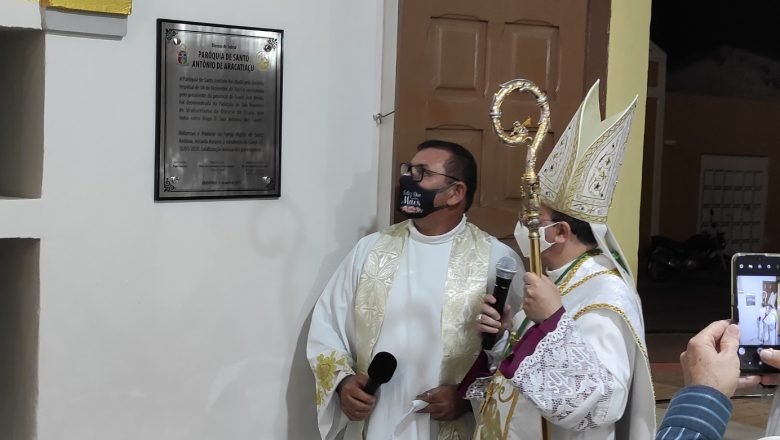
(702, 257)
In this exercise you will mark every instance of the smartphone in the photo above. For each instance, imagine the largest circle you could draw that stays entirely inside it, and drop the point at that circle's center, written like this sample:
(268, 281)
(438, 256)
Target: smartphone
(754, 299)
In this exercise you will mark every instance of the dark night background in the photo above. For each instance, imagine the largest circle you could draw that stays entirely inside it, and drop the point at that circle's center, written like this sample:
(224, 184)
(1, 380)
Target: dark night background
(691, 30)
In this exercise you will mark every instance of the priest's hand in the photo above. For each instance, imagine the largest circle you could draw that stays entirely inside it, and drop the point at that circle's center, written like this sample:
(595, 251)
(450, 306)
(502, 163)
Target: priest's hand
(356, 403)
(444, 403)
(489, 321)
(542, 297)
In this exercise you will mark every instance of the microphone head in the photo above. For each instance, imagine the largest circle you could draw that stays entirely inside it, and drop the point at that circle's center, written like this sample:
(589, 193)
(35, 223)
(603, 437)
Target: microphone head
(382, 367)
(506, 268)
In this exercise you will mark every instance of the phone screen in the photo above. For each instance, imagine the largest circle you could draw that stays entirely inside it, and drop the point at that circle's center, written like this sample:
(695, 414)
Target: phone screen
(754, 300)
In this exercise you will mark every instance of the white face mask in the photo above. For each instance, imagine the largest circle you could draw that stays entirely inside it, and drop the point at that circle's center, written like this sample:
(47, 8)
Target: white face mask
(521, 236)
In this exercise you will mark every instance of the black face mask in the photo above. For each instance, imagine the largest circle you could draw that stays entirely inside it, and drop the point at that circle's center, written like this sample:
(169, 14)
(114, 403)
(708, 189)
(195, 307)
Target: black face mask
(415, 201)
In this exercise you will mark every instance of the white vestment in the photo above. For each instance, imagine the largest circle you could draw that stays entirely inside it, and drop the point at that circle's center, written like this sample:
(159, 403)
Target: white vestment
(768, 326)
(421, 306)
(589, 378)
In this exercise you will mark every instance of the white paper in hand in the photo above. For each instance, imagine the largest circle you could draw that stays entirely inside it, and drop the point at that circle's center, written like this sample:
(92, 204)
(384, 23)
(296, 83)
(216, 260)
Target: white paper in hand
(406, 418)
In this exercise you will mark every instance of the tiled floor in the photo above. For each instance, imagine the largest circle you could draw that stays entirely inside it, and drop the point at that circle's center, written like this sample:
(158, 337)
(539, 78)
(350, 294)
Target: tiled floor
(750, 414)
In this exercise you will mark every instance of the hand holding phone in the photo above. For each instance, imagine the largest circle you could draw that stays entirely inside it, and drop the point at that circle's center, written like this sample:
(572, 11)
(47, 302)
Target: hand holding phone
(711, 358)
(770, 357)
(754, 300)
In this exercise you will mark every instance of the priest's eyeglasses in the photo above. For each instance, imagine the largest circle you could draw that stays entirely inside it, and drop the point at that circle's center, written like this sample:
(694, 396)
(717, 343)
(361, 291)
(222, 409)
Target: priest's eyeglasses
(418, 172)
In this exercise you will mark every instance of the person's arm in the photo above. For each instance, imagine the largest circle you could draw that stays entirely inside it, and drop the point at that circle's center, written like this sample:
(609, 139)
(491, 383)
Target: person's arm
(696, 412)
(528, 343)
(473, 385)
(579, 374)
(338, 393)
(711, 372)
(478, 372)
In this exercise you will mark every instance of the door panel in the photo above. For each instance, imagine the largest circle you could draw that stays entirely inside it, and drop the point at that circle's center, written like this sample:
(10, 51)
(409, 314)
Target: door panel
(453, 55)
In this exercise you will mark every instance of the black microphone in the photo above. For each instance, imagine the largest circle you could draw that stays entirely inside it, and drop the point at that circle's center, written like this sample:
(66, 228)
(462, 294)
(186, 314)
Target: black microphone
(380, 371)
(506, 268)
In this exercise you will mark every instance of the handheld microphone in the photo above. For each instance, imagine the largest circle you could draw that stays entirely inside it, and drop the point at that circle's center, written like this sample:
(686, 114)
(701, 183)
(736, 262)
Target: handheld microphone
(380, 371)
(506, 268)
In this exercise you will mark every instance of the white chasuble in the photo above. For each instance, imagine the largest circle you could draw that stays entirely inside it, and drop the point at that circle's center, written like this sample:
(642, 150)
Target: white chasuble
(587, 379)
(416, 297)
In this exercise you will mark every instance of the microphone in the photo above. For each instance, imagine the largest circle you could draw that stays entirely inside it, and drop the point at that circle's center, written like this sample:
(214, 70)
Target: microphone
(506, 268)
(380, 371)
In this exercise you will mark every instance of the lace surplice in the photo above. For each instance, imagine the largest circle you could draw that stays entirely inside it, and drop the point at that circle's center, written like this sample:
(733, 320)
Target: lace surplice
(564, 374)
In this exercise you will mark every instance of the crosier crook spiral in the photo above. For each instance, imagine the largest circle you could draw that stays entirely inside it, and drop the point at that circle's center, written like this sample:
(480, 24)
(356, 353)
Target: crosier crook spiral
(529, 213)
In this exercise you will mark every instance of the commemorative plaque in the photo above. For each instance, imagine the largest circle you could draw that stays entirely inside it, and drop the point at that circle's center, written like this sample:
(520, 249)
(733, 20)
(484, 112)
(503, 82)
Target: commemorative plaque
(219, 97)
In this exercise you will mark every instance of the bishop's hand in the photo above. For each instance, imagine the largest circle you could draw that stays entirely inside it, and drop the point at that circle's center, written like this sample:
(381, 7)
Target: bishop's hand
(542, 297)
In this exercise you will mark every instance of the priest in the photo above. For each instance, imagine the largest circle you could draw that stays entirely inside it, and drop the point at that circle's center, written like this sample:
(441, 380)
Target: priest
(414, 290)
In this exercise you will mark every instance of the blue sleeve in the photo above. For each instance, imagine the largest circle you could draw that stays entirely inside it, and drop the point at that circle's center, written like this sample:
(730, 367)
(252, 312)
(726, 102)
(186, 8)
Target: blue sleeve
(696, 412)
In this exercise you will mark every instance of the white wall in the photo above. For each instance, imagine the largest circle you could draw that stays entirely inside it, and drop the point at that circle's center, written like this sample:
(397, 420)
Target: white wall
(188, 320)
(19, 306)
(20, 14)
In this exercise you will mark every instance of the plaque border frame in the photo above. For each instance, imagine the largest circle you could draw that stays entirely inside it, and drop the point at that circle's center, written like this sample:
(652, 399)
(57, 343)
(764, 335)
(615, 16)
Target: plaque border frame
(158, 175)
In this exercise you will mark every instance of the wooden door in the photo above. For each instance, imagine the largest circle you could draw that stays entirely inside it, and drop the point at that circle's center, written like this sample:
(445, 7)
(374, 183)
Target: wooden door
(453, 55)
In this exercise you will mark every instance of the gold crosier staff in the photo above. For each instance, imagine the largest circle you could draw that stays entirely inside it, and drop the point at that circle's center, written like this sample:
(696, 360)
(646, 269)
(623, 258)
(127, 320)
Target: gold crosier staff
(529, 213)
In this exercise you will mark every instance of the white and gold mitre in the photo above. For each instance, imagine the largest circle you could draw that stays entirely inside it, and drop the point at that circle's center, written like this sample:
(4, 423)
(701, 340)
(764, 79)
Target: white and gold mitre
(580, 175)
